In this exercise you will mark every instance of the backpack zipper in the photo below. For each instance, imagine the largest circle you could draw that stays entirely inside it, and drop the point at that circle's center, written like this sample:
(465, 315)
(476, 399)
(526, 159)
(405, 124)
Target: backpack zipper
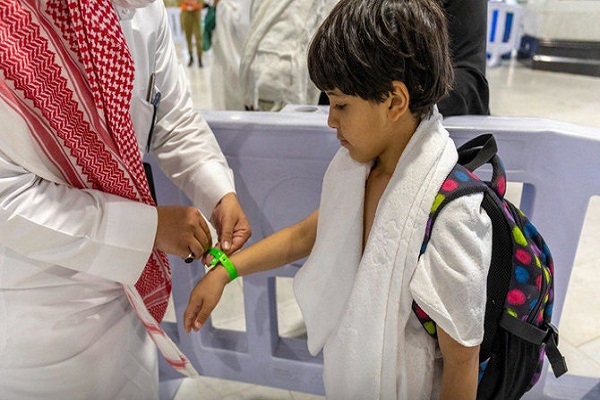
(543, 294)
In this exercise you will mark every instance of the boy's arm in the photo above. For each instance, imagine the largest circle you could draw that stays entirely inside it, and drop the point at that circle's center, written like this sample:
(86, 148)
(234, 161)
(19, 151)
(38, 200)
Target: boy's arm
(281, 248)
(461, 367)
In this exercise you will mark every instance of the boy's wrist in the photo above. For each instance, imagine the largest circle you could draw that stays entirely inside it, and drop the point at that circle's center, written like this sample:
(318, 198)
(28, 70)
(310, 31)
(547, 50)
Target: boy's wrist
(220, 273)
(220, 258)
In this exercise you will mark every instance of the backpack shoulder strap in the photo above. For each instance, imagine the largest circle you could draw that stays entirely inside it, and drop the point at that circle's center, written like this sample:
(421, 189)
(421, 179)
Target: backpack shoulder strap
(459, 182)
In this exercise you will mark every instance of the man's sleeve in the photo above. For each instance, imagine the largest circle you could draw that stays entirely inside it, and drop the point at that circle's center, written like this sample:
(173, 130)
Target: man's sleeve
(184, 145)
(84, 230)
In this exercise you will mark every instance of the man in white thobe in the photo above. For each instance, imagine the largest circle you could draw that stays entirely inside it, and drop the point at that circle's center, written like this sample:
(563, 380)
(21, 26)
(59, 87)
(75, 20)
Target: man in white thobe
(75, 308)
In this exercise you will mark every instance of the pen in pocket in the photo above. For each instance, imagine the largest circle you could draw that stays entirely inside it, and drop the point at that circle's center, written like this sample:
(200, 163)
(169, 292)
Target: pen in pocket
(150, 87)
(155, 101)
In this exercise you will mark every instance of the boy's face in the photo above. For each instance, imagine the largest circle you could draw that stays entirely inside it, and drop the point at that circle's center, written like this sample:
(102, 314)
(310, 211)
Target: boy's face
(362, 126)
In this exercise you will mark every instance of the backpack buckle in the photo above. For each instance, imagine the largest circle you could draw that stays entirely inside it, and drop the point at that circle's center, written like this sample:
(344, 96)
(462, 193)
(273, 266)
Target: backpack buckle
(557, 361)
(552, 333)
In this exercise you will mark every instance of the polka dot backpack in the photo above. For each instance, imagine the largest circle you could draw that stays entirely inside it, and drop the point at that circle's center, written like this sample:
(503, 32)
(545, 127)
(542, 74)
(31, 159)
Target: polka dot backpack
(517, 330)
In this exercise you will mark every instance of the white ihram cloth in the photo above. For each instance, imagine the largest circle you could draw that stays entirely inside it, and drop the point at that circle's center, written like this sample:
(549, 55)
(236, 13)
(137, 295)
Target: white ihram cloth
(358, 309)
(233, 20)
(273, 61)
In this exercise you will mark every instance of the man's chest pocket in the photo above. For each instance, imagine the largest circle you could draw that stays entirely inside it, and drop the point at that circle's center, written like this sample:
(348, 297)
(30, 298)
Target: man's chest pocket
(141, 116)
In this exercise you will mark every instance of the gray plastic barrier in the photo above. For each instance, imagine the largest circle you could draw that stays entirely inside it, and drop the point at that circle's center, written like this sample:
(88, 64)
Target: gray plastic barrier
(279, 160)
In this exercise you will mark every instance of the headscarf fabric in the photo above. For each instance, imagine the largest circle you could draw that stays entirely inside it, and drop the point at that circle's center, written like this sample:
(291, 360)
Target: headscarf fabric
(67, 70)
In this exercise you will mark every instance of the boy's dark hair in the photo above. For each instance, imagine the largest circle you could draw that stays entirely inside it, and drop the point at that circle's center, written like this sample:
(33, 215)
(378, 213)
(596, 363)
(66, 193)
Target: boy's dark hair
(364, 45)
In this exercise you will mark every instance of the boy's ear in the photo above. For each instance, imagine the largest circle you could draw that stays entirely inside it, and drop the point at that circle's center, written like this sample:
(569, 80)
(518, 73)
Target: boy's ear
(398, 101)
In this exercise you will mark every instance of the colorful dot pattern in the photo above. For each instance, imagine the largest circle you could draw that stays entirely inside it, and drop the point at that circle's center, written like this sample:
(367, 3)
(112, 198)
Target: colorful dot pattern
(530, 295)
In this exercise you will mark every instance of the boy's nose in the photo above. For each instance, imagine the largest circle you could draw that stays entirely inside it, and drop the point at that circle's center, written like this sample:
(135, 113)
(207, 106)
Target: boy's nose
(332, 120)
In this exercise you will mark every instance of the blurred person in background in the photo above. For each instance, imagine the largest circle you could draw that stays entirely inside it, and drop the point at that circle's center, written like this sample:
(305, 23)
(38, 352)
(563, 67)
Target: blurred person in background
(232, 24)
(273, 69)
(467, 26)
(191, 24)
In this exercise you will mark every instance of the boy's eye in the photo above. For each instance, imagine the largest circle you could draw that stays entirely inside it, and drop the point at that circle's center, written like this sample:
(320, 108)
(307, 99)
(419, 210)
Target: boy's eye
(339, 106)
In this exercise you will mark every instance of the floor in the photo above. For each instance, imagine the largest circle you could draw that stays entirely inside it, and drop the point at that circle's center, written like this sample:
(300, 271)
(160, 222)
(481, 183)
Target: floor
(515, 91)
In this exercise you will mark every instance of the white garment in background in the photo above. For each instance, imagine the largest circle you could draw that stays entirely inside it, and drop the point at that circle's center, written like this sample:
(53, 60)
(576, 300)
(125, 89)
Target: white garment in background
(132, 3)
(357, 306)
(67, 330)
(227, 44)
(273, 64)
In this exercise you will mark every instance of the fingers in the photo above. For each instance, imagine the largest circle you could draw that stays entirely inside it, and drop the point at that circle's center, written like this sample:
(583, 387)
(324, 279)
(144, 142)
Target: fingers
(241, 234)
(198, 246)
(202, 240)
(226, 234)
(234, 234)
(204, 227)
(204, 298)
(190, 314)
(182, 231)
(206, 258)
(202, 316)
(231, 223)
(196, 313)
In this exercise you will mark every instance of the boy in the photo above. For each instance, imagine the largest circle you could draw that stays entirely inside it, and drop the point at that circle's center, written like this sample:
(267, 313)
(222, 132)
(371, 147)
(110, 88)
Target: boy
(384, 65)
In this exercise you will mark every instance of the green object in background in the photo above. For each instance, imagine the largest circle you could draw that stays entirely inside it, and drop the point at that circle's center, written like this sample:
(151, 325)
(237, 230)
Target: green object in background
(210, 21)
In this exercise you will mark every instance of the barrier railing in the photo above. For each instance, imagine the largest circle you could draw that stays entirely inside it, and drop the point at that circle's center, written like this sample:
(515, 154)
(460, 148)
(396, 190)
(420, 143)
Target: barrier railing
(279, 160)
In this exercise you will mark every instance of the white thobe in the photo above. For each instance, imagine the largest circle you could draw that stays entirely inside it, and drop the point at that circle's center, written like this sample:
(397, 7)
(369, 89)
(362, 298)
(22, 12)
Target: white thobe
(273, 65)
(227, 44)
(67, 330)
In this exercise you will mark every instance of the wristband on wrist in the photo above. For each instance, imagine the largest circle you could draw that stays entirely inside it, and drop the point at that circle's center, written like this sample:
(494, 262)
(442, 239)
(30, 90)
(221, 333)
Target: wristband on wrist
(221, 258)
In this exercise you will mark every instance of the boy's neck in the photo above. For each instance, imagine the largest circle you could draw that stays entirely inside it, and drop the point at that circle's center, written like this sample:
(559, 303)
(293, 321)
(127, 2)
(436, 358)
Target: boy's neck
(402, 132)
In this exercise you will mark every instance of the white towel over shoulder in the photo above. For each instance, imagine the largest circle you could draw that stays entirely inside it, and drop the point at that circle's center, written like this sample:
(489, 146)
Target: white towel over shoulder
(356, 306)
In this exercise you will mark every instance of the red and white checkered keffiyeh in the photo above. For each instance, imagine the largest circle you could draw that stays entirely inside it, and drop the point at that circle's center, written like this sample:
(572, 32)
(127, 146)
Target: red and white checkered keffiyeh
(68, 71)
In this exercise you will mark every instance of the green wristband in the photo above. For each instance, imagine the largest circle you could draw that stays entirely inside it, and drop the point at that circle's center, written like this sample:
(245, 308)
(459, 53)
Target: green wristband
(221, 258)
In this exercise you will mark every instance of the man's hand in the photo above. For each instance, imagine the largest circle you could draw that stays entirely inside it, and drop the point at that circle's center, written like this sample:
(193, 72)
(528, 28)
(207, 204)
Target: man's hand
(204, 298)
(231, 224)
(182, 230)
